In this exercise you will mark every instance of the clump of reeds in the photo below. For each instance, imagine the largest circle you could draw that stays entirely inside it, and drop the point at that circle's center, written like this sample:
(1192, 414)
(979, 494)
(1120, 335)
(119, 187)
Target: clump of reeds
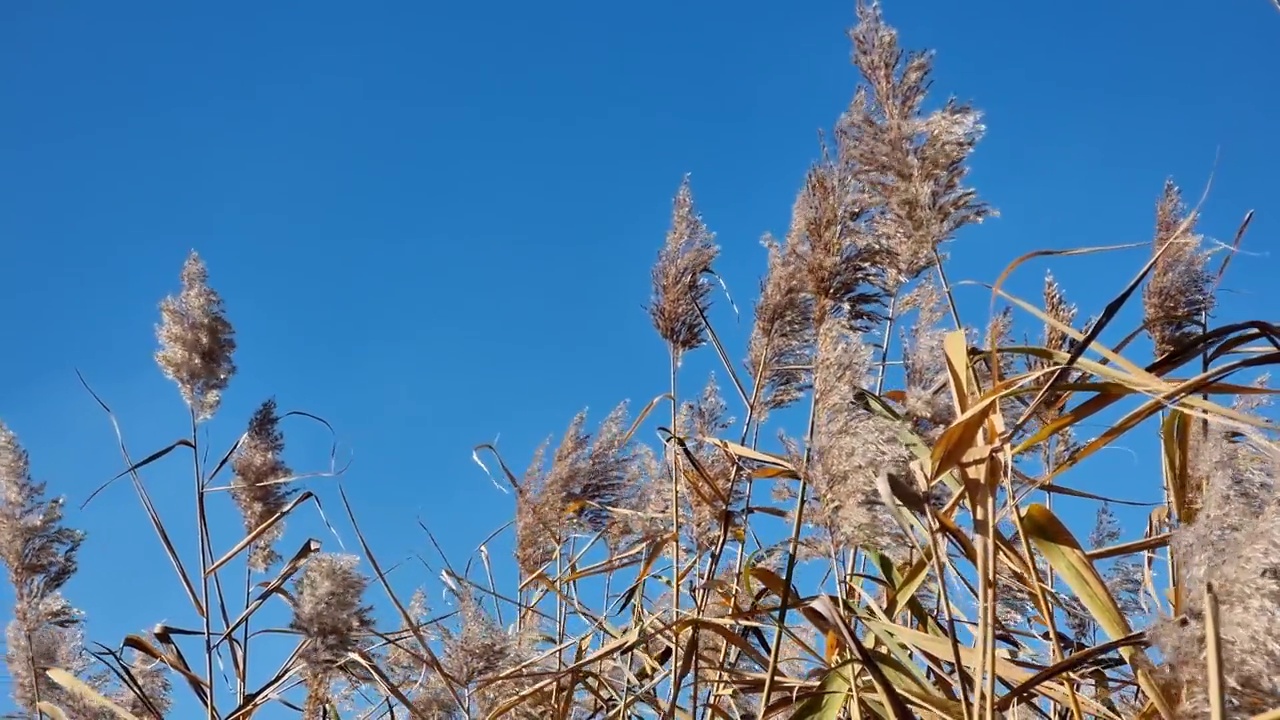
(855, 520)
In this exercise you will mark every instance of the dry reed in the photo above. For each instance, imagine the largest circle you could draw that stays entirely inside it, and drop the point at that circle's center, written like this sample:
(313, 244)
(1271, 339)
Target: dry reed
(910, 562)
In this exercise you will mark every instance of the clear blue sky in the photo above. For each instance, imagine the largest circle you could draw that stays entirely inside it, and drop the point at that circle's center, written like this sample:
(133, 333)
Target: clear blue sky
(433, 224)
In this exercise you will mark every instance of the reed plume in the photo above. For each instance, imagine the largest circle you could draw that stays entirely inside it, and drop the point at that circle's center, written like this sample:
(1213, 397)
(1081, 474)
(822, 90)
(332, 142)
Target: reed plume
(196, 341)
(1178, 295)
(40, 555)
(330, 616)
(680, 283)
(258, 487)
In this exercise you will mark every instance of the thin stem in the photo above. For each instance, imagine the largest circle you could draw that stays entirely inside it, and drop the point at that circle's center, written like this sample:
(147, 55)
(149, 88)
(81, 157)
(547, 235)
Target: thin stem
(561, 620)
(1048, 452)
(675, 522)
(793, 545)
(887, 337)
(244, 637)
(729, 653)
(946, 289)
(35, 671)
(987, 584)
(202, 529)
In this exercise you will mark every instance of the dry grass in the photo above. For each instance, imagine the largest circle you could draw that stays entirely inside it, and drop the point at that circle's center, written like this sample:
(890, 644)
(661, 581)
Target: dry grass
(897, 556)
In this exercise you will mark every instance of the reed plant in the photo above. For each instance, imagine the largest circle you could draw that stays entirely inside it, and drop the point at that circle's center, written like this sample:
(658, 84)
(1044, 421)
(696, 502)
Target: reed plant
(870, 534)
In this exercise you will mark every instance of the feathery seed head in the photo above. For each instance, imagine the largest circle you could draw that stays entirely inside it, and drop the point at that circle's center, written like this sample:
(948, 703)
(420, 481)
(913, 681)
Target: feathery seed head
(479, 649)
(780, 351)
(257, 489)
(720, 491)
(841, 262)
(580, 491)
(1057, 307)
(154, 685)
(329, 612)
(1179, 291)
(480, 646)
(1234, 544)
(38, 552)
(851, 447)
(924, 362)
(47, 632)
(680, 284)
(196, 341)
(40, 557)
(912, 166)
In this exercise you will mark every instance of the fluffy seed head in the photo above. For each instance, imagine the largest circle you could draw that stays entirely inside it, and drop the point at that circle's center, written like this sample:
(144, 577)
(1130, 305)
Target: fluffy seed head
(43, 633)
(196, 341)
(256, 488)
(680, 284)
(841, 261)
(580, 491)
(924, 362)
(714, 491)
(780, 352)
(153, 681)
(38, 552)
(912, 166)
(1233, 544)
(1057, 307)
(851, 447)
(329, 612)
(1179, 291)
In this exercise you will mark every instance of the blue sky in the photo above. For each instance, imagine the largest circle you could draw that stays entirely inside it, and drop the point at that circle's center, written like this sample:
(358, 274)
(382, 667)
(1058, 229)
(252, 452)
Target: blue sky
(433, 223)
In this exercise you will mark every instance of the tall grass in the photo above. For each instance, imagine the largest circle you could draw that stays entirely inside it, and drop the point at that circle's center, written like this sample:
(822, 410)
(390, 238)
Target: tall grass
(872, 537)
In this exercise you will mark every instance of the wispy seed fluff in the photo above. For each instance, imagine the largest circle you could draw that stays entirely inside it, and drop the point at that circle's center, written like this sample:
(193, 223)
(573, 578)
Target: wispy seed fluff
(780, 352)
(851, 447)
(477, 650)
(38, 551)
(913, 166)
(1178, 293)
(331, 617)
(408, 668)
(156, 689)
(840, 261)
(580, 491)
(680, 283)
(39, 554)
(924, 361)
(196, 341)
(1057, 307)
(47, 632)
(716, 491)
(1234, 544)
(257, 489)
